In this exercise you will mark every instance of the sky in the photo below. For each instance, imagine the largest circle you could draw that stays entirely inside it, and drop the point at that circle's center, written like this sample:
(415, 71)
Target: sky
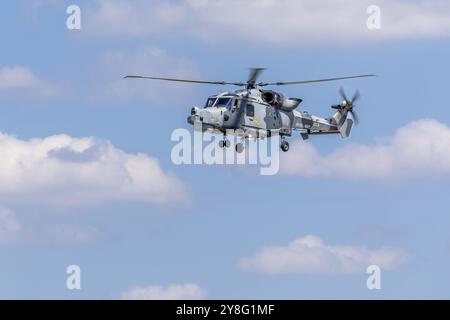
(86, 176)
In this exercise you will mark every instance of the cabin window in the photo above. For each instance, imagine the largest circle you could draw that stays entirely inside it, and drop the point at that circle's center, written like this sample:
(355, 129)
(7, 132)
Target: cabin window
(250, 110)
(235, 105)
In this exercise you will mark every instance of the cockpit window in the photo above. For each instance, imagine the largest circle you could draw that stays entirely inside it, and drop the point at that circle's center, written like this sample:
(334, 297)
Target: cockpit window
(210, 102)
(224, 102)
(219, 102)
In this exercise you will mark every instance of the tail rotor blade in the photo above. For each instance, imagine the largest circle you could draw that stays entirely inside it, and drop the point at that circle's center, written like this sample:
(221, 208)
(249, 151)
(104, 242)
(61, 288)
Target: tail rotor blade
(355, 117)
(356, 96)
(342, 93)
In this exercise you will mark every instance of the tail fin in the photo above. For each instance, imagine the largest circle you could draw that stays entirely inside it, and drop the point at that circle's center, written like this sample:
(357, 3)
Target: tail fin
(345, 128)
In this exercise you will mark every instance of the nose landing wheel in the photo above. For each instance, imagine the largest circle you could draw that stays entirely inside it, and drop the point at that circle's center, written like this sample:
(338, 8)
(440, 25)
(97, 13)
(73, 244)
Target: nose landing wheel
(284, 146)
(239, 147)
(224, 143)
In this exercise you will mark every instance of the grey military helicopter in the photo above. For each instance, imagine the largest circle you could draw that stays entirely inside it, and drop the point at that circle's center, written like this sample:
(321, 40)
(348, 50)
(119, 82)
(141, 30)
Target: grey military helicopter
(253, 113)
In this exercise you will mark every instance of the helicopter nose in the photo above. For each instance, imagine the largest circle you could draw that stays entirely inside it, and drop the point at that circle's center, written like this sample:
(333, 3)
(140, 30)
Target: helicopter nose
(194, 116)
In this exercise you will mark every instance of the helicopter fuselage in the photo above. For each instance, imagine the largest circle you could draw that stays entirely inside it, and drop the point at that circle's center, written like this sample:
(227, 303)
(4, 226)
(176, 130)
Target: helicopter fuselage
(255, 113)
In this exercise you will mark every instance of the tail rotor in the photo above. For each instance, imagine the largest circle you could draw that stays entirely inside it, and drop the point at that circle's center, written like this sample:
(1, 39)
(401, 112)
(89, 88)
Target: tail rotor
(347, 105)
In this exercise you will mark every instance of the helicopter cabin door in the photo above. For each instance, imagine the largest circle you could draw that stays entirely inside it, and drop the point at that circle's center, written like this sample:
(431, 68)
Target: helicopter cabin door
(254, 116)
(232, 114)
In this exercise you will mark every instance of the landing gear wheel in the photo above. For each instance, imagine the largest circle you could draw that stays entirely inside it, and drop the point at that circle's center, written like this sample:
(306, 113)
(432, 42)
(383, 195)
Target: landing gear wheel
(285, 146)
(239, 147)
(224, 143)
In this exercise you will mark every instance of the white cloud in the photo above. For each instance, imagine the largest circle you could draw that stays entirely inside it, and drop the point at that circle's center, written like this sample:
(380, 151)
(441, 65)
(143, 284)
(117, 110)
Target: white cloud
(67, 170)
(9, 226)
(149, 60)
(309, 254)
(11, 231)
(419, 149)
(23, 81)
(186, 291)
(289, 22)
(65, 233)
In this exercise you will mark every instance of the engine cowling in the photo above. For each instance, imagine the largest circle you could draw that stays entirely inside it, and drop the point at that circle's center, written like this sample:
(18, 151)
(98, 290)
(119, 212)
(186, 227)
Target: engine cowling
(273, 98)
(277, 100)
(290, 104)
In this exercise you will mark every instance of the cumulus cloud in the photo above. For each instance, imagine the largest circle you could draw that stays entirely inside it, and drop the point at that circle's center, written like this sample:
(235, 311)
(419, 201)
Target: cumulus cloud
(186, 291)
(289, 22)
(148, 60)
(309, 254)
(419, 149)
(22, 80)
(67, 170)
(9, 226)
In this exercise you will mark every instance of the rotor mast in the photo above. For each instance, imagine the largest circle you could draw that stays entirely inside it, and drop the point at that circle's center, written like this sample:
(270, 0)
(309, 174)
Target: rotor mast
(253, 76)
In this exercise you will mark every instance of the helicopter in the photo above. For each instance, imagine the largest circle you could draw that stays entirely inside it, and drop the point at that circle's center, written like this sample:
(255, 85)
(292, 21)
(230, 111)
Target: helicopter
(255, 113)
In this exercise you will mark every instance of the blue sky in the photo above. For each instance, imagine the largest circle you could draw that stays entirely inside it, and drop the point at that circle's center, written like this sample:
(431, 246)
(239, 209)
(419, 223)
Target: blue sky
(183, 231)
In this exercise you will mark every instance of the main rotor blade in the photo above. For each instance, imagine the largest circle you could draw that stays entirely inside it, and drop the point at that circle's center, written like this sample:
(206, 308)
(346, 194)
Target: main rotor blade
(313, 81)
(254, 74)
(186, 80)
